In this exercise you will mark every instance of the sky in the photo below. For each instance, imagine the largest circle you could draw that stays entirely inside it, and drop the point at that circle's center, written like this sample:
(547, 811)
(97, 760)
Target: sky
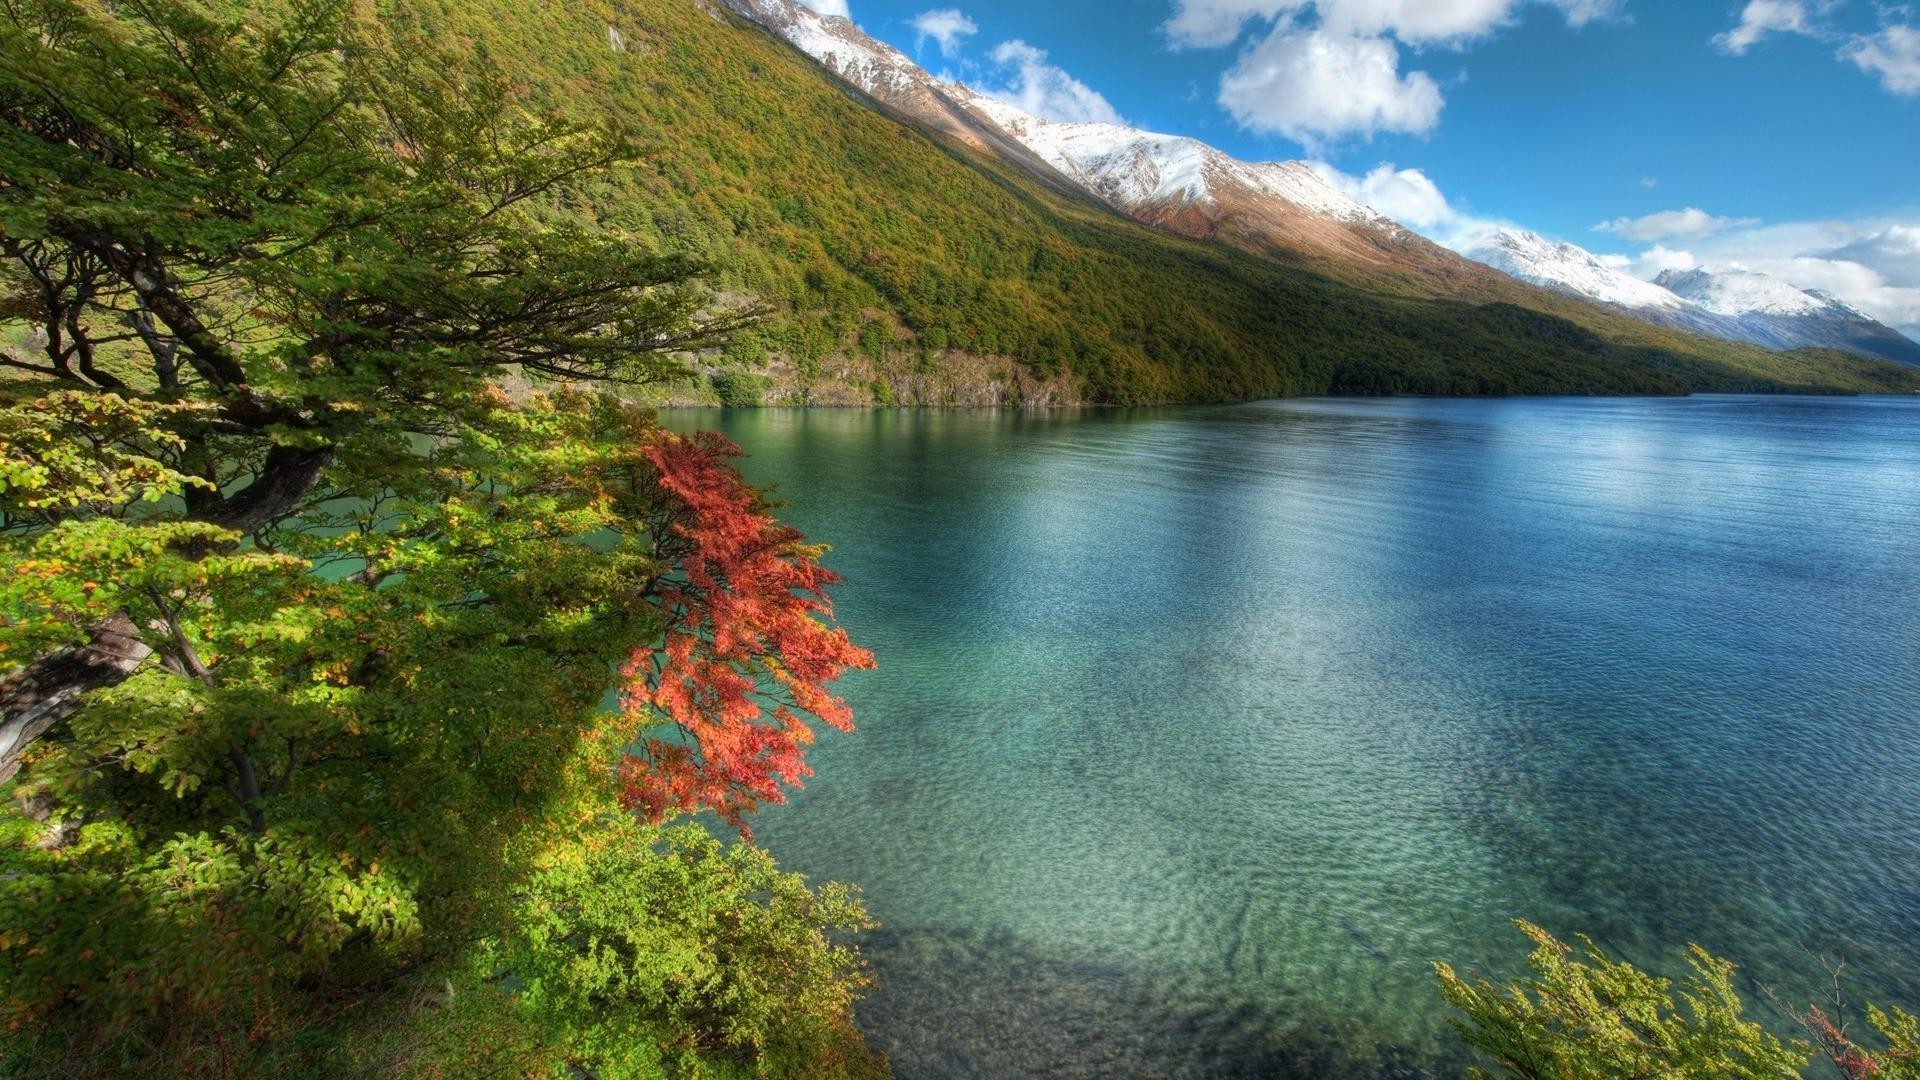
(1773, 135)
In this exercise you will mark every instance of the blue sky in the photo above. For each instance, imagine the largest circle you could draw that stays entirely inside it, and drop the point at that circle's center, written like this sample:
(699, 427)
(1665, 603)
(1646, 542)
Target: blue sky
(1781, 135)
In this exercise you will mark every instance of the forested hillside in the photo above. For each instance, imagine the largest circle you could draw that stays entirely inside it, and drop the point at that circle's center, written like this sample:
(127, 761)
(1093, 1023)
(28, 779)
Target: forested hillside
(894, 267)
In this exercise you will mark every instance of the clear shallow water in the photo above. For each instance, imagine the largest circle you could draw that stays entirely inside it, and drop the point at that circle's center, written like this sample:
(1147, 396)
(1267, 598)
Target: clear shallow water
(1198, 733)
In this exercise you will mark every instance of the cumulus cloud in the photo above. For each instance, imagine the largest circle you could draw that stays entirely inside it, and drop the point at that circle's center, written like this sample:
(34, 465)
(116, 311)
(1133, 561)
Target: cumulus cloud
(829, 7)
(1327, 68)
(1212, 23)
(1862, 286)
(1410, 197)
(947, 27)
(1762, 17)
(1043, 89)
(1208, 23)
(1312, 86)
(1415, 21)
(1582, 12)
(1893, 252)
(1893, 55)
(1659, 258)
(1666, 224)
(1407, 196)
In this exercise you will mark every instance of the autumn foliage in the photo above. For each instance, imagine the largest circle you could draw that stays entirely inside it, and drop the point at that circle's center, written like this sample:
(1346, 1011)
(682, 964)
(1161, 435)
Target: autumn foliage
(747, 653)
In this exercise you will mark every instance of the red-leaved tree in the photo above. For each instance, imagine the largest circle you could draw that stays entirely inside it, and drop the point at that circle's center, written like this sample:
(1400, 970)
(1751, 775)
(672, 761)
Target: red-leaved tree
(748, 651)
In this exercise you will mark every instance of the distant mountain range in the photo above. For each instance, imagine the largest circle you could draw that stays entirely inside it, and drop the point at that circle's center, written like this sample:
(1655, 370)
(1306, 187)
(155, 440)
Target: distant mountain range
(1739, 305)
(1288, 210)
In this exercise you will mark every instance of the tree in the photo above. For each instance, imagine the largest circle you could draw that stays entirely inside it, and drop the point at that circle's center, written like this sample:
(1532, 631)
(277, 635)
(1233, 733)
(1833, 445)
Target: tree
(744, 641)
(1594, 1018)
(313, 232)
(313, 620)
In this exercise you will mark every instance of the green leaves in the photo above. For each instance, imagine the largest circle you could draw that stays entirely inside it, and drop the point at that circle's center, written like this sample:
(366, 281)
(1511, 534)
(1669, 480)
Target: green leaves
(71, 453)
(102, 923)
(1583, 1016)
(272, 264)
(621, 921)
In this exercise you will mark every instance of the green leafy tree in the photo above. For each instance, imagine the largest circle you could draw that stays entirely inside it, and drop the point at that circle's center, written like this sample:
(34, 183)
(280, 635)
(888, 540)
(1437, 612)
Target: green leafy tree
(310, 620)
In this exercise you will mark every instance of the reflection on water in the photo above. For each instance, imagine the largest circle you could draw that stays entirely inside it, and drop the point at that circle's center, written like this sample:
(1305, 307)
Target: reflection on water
(1199, 733)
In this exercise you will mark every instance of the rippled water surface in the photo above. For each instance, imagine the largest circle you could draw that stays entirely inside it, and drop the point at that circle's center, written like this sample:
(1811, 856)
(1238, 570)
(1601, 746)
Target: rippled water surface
(1199, 733)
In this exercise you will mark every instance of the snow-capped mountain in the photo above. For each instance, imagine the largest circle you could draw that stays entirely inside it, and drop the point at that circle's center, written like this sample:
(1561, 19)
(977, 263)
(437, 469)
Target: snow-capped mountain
(1774, 313)
(1288, 210)
(1129, 167)
(1170, 181)
(1532, 257)
(1739, 305)
(886, 75)
(1744, 292)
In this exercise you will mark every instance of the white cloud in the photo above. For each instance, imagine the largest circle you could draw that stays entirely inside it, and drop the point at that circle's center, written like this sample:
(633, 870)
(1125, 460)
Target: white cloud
(947, 27)
(1045, 90)
(1893, 251)
(1861, 286)
(1582, 12)
(1405, 195)
(1658, 258)
(1329, 68)
(1410, 197)
(829, 7)
(1666, 224)
(1204, 23)
(1649, 182)
(1416, 21)
(1893, 54)
(1873, 265)
(1762, 17)
(1212, 23)
(1310, 86)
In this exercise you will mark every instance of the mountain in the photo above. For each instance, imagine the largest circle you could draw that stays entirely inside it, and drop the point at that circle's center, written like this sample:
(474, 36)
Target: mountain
(1532, 257)
(1169, 181)
(1282, 210)
(1774, 313)
(894, 260)
(1738, 305)
(1185, 186)
(1578, 272)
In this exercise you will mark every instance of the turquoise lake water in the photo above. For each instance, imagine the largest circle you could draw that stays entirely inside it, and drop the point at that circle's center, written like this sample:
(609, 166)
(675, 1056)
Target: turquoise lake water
(1198, 733)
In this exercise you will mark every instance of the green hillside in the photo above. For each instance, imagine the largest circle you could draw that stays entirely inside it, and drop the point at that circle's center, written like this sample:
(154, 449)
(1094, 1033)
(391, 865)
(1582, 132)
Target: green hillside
(897, 268)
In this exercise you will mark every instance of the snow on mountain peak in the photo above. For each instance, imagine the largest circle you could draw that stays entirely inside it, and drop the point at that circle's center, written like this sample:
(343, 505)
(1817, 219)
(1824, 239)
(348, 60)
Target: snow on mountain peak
(1745, 292)
(1532, 257)
(872, 65)
(1125, 166)
(1129, 167)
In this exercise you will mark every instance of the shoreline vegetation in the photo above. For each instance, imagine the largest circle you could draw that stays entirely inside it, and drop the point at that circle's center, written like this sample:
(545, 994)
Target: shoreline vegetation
(310, 628)
(1581, 1015)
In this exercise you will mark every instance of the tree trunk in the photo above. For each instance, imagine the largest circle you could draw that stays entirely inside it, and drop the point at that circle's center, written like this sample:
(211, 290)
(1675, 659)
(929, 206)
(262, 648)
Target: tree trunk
(49, 690)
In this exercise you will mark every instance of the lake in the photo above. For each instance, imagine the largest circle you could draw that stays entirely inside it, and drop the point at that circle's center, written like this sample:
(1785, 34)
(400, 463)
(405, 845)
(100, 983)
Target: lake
(1199, 733)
